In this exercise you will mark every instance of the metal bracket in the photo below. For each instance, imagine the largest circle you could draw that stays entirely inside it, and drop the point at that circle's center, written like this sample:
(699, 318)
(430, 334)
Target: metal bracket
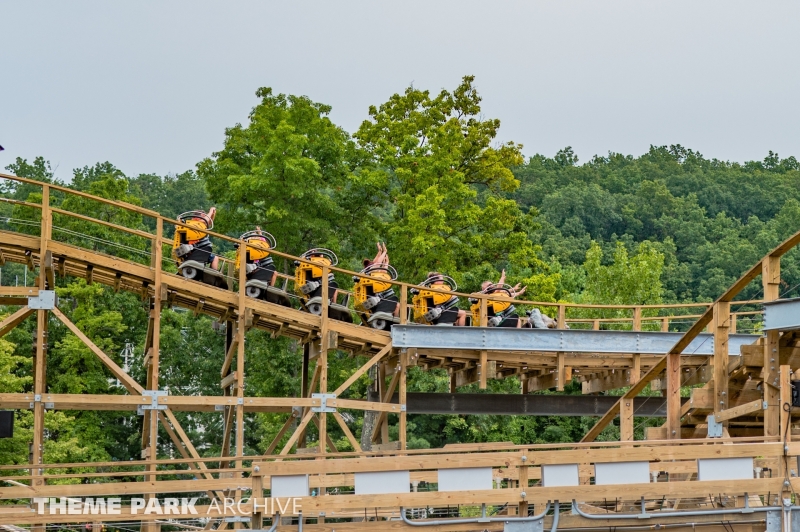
(714, 428)
(323, 402)
(237, 519)
(519, 525)
(153, 395)
(46, 300)
(764, 405)
(221, 408)
(402, 408)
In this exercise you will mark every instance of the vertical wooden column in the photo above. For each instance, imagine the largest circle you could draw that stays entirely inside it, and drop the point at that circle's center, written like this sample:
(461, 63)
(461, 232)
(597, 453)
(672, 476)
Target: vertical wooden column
(403, 304)
(384, 420)
(626, 419)
(304, 388)
(484, 313)
(673, 394)
(721, 327)
(771, 278)
(523, 483)
(562, 317)
(40, 362)
(150, 431)
(256, 495)
(323, 360)
(786, 399)
(561, 371)
(483, 369)
(402, 393)
(241, 329)
(637, 318)
(636, 369)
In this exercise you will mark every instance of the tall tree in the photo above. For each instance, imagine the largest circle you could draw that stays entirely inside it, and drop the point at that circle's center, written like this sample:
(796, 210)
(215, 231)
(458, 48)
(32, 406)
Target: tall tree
(443, 184)
(288, 171)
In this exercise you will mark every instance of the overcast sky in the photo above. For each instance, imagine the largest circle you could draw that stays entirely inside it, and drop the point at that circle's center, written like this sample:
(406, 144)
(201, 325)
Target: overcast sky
(151, 86)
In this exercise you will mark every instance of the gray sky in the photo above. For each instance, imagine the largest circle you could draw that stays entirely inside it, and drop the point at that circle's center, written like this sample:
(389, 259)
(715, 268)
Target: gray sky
(151, 86)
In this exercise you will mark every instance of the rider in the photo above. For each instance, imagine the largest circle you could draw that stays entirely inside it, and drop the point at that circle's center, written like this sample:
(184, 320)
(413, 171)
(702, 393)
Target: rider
(379, 285)
(259, 264)
(502, 311)
(191, 242)
(436, 280)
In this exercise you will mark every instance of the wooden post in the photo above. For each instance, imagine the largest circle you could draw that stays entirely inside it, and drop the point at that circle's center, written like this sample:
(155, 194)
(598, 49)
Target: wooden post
(403, 304)
(636, 369)
(721, 327)
(561, 371)
(484, 313)
(482, 369)
(637, 318)
(562, 316)
(402, 384)
(786, 399)
(673, 396)
(626, 420)
(523, 483)
(241, 329)
(257, 494)
(771, 278)
(150, 434)
(384, 421)
(40, 362)
(323, 360)
(664, 324)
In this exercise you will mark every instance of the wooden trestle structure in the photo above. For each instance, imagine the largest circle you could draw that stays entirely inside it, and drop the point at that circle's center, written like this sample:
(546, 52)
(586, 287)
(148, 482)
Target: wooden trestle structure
(742, 412)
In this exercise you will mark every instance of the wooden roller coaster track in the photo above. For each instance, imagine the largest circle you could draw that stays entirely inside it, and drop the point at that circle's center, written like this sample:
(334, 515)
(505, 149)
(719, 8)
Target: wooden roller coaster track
(744, 396)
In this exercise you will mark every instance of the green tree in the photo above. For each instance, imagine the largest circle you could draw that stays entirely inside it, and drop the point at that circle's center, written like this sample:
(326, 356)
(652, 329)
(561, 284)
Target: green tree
(290, 170)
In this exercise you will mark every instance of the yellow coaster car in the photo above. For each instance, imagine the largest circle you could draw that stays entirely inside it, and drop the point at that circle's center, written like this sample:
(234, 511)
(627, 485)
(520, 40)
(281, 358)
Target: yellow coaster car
(308, 284)
(193, 251)
(376, 302)
(434, 308)
(260, 268)
(499, 313)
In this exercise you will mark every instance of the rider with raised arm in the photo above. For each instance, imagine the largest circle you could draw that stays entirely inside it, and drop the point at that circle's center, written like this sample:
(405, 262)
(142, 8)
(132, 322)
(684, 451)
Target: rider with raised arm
(499, 310)
(376, 301)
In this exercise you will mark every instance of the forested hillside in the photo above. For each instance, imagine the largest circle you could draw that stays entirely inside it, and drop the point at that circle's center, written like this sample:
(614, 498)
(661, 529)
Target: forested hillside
(425, 174)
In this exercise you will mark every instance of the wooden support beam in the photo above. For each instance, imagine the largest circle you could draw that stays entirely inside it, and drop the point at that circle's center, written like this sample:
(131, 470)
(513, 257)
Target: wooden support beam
(737, 411)
(348, 434)
(13, 320)
(483, 368)
(786, 402)
(387, 396)
(49, 274)
(363, 369)
(721, 324)
(611, 381)
(770, 279)
(39, 387)
(403, 437)
(131, 385)
(626, 420)
(317, 420)
(229, 380)
(278, 437)
(673, 394)
(293, 438)
(636, 369)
